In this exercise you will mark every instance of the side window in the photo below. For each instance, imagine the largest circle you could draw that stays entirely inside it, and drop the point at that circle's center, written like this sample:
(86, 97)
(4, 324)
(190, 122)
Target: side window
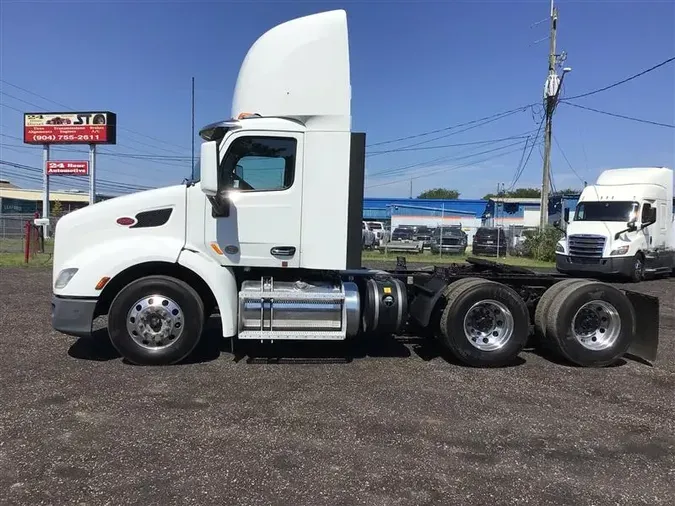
(646, 211)
(259, 164)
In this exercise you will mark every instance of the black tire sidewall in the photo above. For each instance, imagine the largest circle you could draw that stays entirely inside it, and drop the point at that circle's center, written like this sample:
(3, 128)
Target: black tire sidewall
(182, 294)
(453, 336)
(540, 315)
(638, 275)
(572, 349)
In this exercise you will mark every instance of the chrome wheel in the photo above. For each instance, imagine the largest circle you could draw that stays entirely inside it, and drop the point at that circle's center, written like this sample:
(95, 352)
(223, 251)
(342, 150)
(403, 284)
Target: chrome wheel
(596, 325)
(488, 325)
(155, 322)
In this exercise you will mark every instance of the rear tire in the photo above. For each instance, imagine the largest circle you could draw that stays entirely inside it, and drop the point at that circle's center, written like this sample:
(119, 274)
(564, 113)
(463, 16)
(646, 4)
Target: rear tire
(541, 312)
(484, 323)
(156, 320)
(590, 324)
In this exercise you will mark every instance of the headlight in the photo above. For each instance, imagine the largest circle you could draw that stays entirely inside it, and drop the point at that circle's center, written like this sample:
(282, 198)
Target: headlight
(559, 248)
(621, 250)
(64, 277)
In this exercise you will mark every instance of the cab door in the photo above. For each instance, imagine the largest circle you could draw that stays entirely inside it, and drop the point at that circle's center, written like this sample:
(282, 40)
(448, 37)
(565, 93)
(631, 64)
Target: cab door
(261, 174)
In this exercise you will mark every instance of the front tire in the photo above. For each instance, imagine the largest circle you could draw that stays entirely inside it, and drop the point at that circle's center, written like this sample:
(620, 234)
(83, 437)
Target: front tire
(484, 323)
(156, 320)
(638, 270)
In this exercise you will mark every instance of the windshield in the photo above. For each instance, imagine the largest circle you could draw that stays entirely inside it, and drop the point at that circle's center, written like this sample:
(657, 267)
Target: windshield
(448, 231)
(606, 211)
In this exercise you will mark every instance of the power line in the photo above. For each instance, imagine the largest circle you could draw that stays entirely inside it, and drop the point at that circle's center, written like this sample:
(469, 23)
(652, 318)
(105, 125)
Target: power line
(109, 183)
(71, 109)
(496, 116)
(639, 120)
(440, 159)
(634, 76)
(487, 141)
(566, 159)
(121, 155)
(444, 169)
(521, 169)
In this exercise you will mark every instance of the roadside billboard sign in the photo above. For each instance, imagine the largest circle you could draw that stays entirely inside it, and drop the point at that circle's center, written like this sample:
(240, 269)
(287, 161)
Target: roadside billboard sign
(94, 127)
(67, 168)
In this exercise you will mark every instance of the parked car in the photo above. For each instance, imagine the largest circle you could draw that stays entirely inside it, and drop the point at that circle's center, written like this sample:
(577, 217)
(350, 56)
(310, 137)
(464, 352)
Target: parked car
(488, 241)
(381, 234)
(403, 234)
(367, 236)
(452, 240)
(424, 234)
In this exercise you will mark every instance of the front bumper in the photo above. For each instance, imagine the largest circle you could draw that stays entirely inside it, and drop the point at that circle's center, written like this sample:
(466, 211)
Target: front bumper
(448, 248)
(73, 316)
(621, 266)
(488, 249)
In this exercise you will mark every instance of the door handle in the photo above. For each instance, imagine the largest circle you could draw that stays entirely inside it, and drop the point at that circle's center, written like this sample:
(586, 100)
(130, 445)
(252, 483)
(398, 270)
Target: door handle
(283, 251)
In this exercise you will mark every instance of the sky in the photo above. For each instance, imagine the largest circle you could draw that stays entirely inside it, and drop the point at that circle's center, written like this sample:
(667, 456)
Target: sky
(416, 66)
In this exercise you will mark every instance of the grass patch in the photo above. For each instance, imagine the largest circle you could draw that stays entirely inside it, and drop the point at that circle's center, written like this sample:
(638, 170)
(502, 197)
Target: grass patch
(17, 260)
(12, 253)
(430, 259)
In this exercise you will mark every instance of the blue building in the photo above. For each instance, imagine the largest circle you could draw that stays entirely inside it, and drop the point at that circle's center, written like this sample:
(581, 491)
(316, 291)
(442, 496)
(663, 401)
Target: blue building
(508, 211)
(402, 210)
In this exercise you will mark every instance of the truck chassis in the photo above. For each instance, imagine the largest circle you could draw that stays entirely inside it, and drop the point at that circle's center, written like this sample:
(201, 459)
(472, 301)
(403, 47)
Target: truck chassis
(481, 312)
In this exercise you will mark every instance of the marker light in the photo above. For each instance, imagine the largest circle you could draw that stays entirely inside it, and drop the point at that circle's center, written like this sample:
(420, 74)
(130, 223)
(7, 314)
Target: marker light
(101, 283)
(216, 248)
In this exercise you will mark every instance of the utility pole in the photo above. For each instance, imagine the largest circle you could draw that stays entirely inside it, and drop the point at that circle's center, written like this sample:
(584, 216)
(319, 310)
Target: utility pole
(551, 97)
(193, 127)
(410, 187)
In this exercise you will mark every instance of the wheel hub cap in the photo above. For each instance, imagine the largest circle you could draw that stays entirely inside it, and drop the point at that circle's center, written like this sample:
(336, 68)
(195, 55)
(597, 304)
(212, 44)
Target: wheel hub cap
(596, 325)
(155, 321)
(488, 325)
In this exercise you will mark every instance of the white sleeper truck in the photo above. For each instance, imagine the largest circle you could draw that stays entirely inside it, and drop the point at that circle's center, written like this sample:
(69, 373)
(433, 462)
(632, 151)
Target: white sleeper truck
(623, 226)
(267, 233)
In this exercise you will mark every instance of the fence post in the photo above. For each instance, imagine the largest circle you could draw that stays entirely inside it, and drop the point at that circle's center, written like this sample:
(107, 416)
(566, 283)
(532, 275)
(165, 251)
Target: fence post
(27, 248)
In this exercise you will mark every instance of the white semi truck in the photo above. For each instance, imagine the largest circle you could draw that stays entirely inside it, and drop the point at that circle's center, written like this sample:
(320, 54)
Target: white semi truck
(268, 234)
(623, 226)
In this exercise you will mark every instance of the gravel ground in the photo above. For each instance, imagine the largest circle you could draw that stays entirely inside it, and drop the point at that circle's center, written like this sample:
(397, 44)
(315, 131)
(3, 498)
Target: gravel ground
(398, 426)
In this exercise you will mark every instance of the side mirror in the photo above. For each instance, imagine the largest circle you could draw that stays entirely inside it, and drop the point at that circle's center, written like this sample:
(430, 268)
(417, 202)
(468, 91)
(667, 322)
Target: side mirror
(566, 215)
(209, 168)
(556, 224)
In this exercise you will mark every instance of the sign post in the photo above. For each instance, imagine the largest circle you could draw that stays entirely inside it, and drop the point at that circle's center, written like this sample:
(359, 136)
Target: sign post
(92, 174)
(45, 189)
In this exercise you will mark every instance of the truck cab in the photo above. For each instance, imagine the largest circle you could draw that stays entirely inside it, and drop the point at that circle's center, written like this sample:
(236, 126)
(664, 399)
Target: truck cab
(623, 226)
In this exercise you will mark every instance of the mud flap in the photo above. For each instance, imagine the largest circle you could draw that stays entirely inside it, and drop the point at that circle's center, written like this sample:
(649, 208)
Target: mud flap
(646, 334)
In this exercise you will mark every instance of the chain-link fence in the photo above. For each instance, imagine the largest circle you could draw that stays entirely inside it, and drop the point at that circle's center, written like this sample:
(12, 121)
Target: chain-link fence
(456, 240)
(13, 230)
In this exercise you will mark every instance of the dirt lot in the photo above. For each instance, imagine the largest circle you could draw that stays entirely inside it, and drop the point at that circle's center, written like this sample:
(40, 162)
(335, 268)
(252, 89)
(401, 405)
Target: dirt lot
(399, 426)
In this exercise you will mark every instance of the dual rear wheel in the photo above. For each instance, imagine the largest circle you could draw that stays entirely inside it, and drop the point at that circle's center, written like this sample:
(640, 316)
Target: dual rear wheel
(486, 324)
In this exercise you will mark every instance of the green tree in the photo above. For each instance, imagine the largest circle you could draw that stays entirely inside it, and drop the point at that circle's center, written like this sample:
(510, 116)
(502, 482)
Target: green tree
(529, 193)
(521, 193)
(57, 209)
(567, 191)
(439, 193)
